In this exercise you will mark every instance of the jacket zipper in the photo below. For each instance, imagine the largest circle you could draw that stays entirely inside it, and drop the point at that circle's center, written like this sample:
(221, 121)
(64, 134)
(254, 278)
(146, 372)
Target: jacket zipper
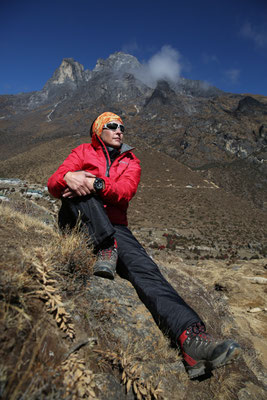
(108, 162)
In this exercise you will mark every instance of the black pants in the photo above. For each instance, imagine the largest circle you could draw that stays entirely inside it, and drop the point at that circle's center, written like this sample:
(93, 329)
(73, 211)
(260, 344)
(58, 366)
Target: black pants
(168, 309)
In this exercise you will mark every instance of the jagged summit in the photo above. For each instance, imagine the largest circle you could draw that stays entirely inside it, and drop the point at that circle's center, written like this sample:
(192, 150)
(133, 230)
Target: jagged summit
(196, 88)
(162, 95)
(71, 72)
(71, 75)
(117, 62)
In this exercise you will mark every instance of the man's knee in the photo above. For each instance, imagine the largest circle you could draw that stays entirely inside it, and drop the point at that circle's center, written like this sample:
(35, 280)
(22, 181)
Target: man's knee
(68, 214)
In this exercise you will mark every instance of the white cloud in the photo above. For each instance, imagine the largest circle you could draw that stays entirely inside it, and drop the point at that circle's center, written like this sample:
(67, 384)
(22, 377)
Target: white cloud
(258, 37)
(163, 65)
(233, 75)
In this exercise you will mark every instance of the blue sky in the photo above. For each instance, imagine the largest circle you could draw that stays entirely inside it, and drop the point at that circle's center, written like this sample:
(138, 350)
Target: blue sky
(223, 42)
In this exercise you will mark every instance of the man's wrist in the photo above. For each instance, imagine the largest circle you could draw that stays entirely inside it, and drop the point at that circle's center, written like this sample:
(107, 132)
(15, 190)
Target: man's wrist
(66, 175)
(99, 184)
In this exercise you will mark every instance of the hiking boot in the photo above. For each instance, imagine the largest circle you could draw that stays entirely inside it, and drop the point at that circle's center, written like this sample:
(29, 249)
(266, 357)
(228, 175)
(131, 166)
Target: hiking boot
(105, 265)
(202, 352)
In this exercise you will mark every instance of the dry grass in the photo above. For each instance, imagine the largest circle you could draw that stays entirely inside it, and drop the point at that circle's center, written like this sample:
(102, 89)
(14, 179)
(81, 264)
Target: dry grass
(45, 272)
(78, 380)
(131, 375)
(47, 310)
(31, 276)
(22, 221)
(49, 292)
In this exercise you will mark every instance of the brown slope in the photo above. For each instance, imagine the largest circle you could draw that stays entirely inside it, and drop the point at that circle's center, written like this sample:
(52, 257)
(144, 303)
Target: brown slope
(113, 330)
(171, 197)
(225, 137)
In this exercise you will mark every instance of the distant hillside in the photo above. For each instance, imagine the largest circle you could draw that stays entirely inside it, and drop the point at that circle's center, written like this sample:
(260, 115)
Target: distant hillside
(220, 134)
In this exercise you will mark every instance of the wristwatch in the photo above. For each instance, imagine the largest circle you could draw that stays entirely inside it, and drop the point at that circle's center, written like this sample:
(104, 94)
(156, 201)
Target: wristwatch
(98, 184)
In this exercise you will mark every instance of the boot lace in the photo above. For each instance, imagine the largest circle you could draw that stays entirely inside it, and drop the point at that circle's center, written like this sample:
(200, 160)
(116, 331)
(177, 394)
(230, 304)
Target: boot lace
(198, 330)
(106, 253)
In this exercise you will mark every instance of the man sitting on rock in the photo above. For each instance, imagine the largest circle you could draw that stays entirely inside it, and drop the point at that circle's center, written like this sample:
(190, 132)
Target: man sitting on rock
(96, 183)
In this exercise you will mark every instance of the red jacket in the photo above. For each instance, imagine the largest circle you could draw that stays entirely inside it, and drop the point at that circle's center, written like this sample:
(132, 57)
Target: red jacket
(121, 177)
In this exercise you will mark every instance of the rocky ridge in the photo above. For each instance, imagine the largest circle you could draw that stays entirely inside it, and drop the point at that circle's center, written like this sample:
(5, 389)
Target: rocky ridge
(223, 135)
(71, 75)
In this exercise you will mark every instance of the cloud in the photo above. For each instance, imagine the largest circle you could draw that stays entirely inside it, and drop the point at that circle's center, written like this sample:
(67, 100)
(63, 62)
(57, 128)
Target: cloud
(165, 64)
(249, 32)
(233, 75)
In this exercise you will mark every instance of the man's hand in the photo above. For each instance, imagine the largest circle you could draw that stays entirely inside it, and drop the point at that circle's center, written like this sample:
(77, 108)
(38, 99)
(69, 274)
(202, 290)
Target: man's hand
(80, 183)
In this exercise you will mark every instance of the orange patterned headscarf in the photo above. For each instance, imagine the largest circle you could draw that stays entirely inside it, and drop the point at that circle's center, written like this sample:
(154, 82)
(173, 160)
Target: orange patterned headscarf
(103, 119)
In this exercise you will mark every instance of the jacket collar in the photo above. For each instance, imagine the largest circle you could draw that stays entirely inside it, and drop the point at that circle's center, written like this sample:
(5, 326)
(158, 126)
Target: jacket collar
(125, 147)
(98, 143)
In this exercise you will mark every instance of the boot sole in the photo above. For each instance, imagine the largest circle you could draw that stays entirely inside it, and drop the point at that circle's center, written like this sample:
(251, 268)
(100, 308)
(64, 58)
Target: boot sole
(231, 354)
(104, 272)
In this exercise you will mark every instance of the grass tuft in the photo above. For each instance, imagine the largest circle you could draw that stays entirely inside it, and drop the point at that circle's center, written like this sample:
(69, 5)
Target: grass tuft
(38, 264)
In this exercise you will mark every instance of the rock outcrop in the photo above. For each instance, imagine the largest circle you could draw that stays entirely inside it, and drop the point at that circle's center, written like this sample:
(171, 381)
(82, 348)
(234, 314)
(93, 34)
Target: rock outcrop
(118, 62)
(250, 106)
(223, 135)
(70, 72)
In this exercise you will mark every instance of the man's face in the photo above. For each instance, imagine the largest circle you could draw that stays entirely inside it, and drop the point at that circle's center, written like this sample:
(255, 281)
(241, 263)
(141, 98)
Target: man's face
(112, 137)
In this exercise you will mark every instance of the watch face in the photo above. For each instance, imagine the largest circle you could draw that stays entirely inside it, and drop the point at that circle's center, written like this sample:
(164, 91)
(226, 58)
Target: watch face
(98, 184)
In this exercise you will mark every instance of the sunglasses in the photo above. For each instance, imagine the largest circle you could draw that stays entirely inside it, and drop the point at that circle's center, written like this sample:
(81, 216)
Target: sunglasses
(113, 126)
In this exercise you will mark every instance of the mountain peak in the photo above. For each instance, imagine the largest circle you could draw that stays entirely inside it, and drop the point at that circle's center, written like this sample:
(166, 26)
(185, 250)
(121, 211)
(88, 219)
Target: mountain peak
(117, 62)
(69, 71)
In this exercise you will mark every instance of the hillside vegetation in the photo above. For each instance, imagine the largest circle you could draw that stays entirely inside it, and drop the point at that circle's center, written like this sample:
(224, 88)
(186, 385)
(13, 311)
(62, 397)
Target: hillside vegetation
(67, 334)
